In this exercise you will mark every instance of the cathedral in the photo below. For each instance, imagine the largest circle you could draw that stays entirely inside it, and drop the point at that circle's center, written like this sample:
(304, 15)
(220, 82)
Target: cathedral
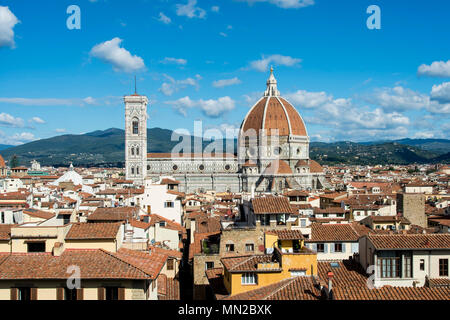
(272, 155)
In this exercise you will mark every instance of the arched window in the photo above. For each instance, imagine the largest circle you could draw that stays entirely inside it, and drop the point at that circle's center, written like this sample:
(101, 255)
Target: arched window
(137, 170)
(132, 170)
(135, 124)
(137, 151)
(132, 151)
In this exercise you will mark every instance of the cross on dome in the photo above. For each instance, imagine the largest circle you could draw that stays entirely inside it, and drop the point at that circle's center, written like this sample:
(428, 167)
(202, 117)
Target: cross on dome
(271, 85)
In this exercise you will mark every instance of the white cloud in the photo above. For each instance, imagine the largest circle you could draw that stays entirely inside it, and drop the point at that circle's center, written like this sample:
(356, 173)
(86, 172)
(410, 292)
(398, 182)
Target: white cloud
(89, 100)
(277, 59)
(17, 138)
(169, 60)
(398, 98)
(121, 59)
(404, 99)
(423, 135)
(190, 10)
(60, 102)
(60, 130)
(305, 99)
(172, 86)
(7, 22)
(441, 93)
(440, 108)
(436, 69)
(343, 119)
(164, 19)
(226, 82)
(252, 97)
(223, 34)
(37, 120)
(211, 108)
(7, 120)
(215, 8)
(285, 4)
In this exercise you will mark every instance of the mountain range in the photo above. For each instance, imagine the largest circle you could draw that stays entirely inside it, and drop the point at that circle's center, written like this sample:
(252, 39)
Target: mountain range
(106, 148)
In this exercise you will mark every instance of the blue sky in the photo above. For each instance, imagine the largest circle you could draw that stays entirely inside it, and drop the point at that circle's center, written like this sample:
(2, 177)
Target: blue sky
(208, 60)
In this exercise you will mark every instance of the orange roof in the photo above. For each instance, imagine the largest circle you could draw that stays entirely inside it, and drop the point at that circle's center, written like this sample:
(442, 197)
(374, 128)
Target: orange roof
(278, 167)
(39, 213)
(272, 204)
(94, 264)
(85, 231)
(274, 113)
(2, 162)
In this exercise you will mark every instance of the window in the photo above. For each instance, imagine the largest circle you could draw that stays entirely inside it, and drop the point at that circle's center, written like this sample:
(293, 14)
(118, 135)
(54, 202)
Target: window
(132, 170)
(320, 247)
(443, 267)
(338, 247)
(137, 151)
(407, 266)
(36, 246)
(265, 219)
(389, 267)
(229, 247)
(303, 223)
(70, 294)
(201, 167)
(132, 151)
(170, 264)
(422, 264)
(249, 247)
(168, 204)
(3, 217)
(162, 223)
(209, 265)
(297, 273)
(281, 219)
(248, 278)
(111, 293)
(137, 170)
(135, 126)
(66, 219)
(24, 294)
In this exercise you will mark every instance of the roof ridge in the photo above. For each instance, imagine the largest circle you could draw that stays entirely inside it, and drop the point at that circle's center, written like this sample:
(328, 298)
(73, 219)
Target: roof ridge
(242, 262)
(123, 261)
(290, 280)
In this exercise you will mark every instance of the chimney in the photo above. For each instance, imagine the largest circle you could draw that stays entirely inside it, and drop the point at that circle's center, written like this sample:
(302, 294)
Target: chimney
(330, 285)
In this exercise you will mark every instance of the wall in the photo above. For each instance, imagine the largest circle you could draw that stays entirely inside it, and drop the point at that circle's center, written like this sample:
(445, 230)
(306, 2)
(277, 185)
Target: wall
(47, 289)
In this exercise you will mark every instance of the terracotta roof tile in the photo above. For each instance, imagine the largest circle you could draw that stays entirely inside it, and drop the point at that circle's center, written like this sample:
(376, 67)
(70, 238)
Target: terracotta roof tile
(272, 204)
(410, 241)
(333, 232)
(85, 231)
(94, 264)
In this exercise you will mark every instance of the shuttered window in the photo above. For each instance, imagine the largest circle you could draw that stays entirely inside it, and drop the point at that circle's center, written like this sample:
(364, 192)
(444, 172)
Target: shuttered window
(121, 293)
(101, 293)
(13, 293)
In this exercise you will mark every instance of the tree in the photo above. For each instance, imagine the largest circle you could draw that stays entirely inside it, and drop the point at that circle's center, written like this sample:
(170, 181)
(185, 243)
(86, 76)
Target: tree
(14, 162)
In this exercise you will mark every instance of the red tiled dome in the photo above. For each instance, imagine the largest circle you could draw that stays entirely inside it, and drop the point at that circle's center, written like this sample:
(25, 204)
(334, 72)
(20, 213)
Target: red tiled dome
(272, 112)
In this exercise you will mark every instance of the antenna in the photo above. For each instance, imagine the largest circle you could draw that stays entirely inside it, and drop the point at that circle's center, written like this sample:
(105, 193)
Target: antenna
(135, 91)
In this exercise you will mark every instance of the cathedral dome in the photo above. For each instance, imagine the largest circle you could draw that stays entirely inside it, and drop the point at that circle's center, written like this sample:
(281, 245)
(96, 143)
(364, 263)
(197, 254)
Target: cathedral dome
(273, 112)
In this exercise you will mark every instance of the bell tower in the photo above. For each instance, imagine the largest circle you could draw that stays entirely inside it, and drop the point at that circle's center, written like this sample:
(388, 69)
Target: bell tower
(136, 138)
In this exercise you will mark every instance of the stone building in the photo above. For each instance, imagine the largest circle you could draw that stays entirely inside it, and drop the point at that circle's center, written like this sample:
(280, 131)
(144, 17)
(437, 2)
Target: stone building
(272, 155)
(412, 206)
